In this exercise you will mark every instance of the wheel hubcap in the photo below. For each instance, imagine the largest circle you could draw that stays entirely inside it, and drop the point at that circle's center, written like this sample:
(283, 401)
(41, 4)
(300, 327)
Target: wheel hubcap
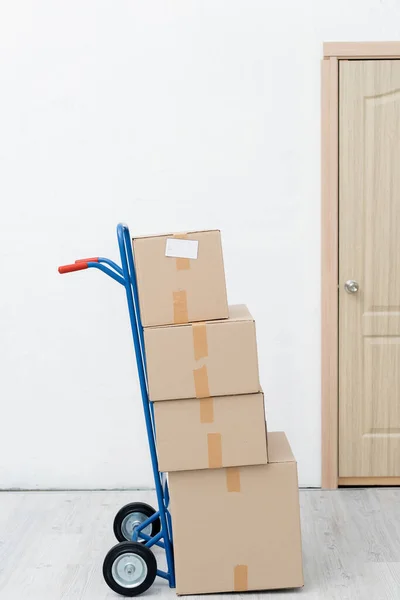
(129, 570)
(130, 523)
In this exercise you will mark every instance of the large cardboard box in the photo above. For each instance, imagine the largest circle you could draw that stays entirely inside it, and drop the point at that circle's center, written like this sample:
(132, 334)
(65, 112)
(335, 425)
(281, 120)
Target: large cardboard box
(198, 360)
(238, 529)
(180, 278)
(211, 433)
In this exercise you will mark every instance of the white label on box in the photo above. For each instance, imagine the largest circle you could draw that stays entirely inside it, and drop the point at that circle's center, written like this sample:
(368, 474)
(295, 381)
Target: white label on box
(177, 248)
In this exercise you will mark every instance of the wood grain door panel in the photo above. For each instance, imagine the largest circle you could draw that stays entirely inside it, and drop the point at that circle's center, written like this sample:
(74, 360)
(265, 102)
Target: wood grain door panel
(369, 252)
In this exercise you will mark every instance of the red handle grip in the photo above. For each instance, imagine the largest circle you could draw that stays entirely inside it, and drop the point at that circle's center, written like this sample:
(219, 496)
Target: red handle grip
(95, 259)
(79, 266)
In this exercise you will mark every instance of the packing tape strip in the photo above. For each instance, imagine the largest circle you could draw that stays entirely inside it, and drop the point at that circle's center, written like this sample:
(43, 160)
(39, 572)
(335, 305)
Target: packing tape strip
(200, 345)
(206, 410)
(182, 264)
(233, 479)
(240, 578)
(200, 376)
(179, 300)
(214, 444)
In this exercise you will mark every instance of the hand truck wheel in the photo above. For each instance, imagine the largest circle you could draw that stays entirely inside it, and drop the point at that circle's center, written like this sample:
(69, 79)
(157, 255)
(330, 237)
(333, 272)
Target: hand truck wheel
(132, 515)
(129, 568)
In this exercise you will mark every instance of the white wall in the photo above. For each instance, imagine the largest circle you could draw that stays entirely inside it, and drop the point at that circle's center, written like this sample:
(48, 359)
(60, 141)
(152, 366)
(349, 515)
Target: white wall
(169, 115)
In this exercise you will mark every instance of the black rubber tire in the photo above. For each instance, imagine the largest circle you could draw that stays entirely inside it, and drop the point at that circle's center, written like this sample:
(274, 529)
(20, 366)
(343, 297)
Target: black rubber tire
(130, 548)
(140, 507)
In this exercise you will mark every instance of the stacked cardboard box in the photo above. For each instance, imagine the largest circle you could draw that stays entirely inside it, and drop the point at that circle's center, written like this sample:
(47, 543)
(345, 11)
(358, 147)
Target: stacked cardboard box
(233, 486)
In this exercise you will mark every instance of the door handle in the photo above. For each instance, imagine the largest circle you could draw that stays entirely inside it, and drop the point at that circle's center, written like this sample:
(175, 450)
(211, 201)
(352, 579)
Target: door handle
(351, 286)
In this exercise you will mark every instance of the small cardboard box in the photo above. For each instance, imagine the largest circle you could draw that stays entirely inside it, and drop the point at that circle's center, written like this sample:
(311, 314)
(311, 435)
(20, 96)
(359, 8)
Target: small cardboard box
(180, 278)
(225, 431)
(238, 529)
(198, 360)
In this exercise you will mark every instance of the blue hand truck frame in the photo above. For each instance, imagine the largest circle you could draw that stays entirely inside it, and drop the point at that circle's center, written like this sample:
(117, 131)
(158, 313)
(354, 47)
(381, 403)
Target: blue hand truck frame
(126, 276)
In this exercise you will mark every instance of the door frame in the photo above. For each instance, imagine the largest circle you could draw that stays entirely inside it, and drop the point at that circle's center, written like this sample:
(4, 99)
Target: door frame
(333, 53)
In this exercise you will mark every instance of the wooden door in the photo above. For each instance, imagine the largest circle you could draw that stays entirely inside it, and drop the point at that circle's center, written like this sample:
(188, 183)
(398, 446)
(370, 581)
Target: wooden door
(369, 253)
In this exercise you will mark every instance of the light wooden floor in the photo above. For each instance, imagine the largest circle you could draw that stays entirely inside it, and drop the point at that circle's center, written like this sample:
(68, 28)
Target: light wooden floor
(52, 545)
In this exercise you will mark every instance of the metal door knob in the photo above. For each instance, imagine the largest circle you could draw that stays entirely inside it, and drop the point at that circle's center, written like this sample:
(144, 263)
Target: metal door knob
(351, 286)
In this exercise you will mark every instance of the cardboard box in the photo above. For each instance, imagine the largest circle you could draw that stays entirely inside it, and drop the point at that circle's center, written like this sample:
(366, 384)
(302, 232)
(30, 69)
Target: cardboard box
(225, 431)
(180, 278)
(238, 529)
(198, 360)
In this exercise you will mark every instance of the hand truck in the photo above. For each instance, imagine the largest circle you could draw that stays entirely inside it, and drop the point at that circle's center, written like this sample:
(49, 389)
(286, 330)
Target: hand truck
(130, 567)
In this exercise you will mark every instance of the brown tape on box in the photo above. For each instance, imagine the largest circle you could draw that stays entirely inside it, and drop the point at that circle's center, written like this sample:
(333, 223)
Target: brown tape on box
(180, 307)
(180, 296)
(181, 263)
(233, 479)
(214, 444)
(206, 410)
(240, 576)
(200, 376)
(200, 346)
